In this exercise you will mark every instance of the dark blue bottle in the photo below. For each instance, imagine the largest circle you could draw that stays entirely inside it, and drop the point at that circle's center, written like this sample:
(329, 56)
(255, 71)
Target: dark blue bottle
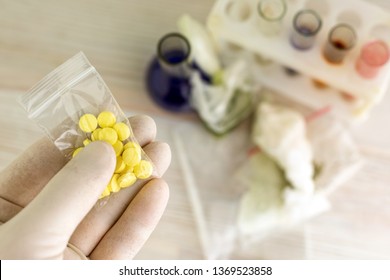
(168, 76)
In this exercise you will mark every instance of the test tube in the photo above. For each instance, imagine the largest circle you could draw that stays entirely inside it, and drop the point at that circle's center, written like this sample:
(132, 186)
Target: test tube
(291, 71)
(373, 57)
(319, 84)
(306, 25)
(271, 13)
(342, 38)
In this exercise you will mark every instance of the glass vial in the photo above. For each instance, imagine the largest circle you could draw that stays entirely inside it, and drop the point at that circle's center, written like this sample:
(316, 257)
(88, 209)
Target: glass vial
(290, 71)
(342, 38)
(319, 84)
(271, 14)
(373, 57)
(169, 72)
(306, 25)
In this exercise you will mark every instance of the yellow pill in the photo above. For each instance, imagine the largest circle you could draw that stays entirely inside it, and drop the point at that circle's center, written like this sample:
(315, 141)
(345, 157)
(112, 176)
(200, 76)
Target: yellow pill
(78, 150)
(88, 123)
(131, 156)
(126, 180)
(106, 119)
(128, 169)
(132, 145)
(120, 165)
(86, 142)
(123, 131)
(106, 192)
(109, 135)
(143, 170)
(118, 147)
(114, 187)
(95, 134)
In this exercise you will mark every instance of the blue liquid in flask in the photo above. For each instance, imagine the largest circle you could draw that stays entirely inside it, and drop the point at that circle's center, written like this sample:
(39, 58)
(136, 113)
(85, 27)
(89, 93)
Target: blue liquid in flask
(168, 81)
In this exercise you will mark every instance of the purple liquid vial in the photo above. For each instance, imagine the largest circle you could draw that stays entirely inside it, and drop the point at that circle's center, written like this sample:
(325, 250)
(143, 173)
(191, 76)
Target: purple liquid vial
(306, 25)
(168, 75)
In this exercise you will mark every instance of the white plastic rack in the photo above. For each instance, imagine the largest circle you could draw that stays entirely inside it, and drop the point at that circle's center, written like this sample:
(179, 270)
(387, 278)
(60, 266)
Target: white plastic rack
(236, 24)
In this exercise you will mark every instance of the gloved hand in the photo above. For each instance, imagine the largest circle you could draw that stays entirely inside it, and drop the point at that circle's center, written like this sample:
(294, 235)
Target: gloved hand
(51, 211)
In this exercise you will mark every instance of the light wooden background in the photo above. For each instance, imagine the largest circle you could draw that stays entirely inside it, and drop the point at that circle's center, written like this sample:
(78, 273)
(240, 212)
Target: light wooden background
(119, 37)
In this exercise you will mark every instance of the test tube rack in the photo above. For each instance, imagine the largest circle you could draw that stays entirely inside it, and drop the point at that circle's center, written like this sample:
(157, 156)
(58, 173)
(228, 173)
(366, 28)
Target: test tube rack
(235, 26)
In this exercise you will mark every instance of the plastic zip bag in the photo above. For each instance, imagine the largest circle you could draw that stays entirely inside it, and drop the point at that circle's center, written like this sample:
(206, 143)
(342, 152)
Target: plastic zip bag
(61, 98)
(224, 105)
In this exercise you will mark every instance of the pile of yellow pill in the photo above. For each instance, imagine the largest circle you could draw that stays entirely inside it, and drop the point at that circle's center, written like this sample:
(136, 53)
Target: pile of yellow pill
(129, 163)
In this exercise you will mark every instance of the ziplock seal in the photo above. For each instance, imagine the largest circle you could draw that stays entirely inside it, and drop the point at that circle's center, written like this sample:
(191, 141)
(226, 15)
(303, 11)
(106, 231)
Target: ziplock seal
(56, 83)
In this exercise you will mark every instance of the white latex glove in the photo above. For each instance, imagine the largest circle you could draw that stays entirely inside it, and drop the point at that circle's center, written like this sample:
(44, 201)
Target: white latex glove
(60, 220)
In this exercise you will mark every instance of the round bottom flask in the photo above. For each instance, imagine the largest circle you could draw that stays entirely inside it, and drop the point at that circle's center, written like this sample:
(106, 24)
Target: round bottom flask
(168, 76)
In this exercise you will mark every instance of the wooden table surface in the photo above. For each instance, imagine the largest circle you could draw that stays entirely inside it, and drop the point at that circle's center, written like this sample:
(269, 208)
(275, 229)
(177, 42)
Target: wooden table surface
(119, 38)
